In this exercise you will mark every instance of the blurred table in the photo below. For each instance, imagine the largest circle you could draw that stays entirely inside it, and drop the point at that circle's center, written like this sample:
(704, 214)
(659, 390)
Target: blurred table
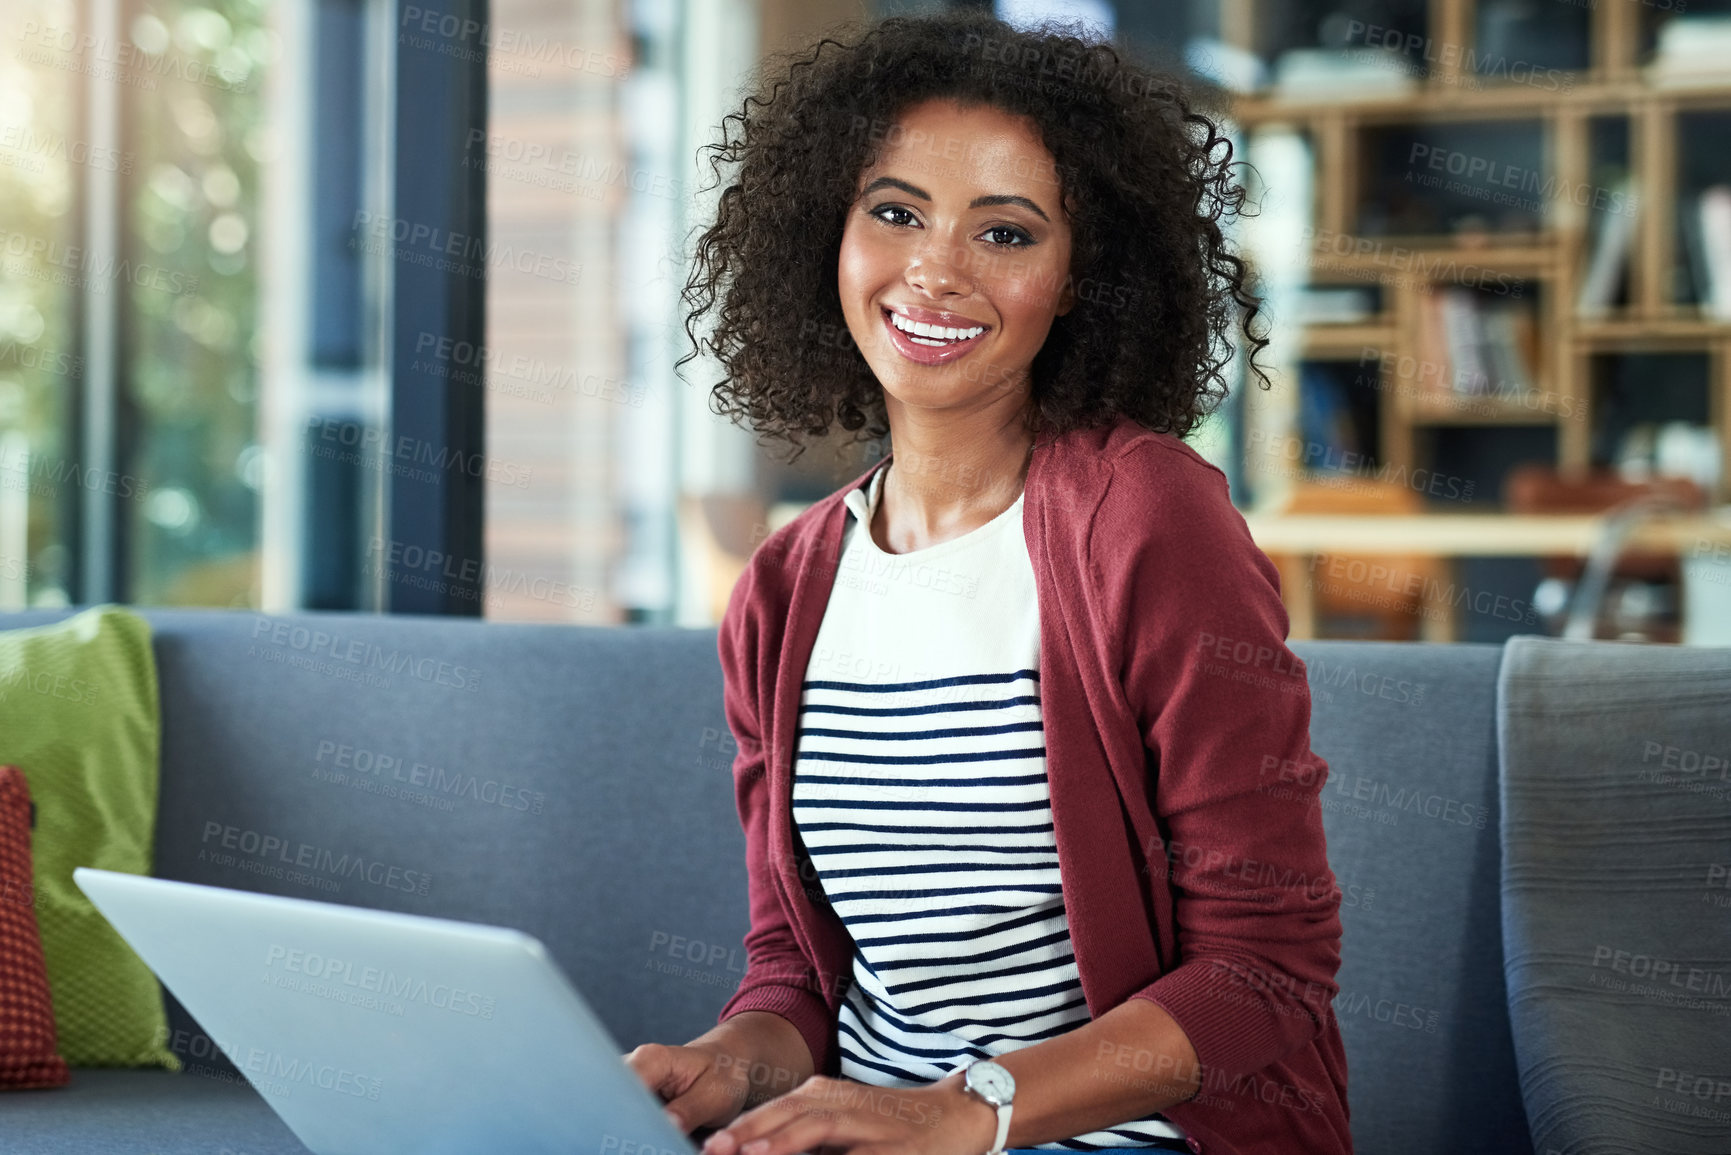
(1301, 539)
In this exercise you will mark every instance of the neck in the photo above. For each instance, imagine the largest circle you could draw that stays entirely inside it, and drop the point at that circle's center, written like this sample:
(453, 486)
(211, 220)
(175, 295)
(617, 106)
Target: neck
(950, 473)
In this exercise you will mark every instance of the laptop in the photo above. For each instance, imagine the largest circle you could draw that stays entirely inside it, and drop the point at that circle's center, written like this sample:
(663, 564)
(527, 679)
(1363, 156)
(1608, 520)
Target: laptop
(376, 1033)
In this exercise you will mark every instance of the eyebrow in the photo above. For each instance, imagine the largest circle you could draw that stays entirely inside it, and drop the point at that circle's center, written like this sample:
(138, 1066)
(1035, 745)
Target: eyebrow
(977, 202)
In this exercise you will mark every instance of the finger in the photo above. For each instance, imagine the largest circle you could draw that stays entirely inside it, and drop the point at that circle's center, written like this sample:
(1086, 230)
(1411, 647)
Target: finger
(750, 1125)
(659, 1067)
(798, 1122)
(706, 1104)
(797, 1134)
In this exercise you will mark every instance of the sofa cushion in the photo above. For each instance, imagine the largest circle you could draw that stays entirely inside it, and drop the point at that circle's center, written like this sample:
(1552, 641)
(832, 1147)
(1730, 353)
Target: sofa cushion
(1410, 809)
(1616, 778)
(28, 1054)
(148, 1112)
(78, 711)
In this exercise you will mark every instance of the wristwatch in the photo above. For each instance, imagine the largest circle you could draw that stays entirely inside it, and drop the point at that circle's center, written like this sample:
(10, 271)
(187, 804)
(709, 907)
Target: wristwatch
(998, 1088)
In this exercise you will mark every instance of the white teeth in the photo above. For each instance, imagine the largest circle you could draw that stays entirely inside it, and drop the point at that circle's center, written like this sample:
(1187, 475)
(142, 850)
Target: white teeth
(936, 334)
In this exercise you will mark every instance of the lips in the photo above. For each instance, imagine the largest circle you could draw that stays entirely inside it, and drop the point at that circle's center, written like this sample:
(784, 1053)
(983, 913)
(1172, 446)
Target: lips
(916, 350)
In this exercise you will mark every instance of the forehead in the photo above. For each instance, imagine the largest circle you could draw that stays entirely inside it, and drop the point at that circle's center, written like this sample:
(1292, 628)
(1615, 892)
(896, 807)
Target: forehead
(962, 143)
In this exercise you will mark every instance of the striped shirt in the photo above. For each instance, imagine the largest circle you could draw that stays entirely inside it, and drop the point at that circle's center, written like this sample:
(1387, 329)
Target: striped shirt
(920, 793)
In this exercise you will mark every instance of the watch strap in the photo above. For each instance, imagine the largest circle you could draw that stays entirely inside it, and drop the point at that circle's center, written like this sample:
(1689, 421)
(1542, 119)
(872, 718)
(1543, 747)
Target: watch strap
(1003, 1109)
(1003, 1129)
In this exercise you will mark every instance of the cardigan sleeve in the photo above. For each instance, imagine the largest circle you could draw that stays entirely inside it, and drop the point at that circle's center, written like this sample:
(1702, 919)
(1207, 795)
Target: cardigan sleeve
(1223, 707)
(778, 976)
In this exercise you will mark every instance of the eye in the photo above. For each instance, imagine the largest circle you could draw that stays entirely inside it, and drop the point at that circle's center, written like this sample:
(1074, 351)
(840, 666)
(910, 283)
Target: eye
(1019, 238)
(882, 209)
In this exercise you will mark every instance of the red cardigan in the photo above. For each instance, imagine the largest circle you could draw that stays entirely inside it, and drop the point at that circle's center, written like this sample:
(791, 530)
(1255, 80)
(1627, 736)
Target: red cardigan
(1183, 786)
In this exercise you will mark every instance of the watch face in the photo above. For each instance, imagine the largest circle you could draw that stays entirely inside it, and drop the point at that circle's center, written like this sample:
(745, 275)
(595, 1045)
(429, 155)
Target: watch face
(992, 1081)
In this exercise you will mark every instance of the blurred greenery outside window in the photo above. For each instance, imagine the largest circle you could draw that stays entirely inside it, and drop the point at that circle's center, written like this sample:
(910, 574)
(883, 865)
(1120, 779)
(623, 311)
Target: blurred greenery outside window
(191, 333)
(39, 356)
(194, 142)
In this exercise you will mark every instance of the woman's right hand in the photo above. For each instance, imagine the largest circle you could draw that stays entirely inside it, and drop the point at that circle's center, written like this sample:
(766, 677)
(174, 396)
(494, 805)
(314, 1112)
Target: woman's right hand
(749, 1058)
(700, 1083)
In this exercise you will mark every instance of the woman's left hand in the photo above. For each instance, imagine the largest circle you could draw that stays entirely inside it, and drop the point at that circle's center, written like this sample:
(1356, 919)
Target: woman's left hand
(862, 1119)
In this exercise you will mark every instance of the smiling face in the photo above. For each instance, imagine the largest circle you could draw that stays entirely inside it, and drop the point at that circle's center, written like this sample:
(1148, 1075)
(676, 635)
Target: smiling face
(955, 257)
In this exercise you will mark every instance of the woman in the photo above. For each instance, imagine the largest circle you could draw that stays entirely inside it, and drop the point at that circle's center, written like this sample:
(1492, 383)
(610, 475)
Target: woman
(1034, 848)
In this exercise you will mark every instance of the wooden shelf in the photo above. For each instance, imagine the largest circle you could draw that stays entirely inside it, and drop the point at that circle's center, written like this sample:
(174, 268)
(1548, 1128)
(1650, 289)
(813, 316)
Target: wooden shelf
(1428, 257)
(1467, 101)
(1465, 409)
(1665, 330)
(1345, 342)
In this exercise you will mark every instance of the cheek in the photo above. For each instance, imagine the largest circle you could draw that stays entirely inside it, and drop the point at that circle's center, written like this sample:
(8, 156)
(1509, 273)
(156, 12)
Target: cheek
(1031, 296)
(864, 249)
(856, 272)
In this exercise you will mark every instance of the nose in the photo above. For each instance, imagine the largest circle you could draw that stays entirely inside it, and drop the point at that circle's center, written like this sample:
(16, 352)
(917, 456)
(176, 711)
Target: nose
(938, 270)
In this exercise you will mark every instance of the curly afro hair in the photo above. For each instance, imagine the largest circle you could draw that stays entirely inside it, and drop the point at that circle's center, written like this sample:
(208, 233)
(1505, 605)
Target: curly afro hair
(1145, 178)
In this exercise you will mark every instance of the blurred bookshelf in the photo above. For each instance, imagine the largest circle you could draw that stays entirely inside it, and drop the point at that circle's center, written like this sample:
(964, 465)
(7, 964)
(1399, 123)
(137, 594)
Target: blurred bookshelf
(1516, 242)
(1537, 197)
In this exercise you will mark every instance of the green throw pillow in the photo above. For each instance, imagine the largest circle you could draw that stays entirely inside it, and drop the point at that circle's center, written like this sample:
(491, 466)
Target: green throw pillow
(78, 714)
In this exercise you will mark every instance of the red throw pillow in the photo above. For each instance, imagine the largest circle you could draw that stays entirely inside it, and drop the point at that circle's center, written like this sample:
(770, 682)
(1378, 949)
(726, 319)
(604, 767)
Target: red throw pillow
(28, 1056)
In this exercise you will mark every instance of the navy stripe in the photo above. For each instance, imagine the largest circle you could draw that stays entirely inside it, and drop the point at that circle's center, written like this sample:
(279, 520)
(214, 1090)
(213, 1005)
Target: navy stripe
(854, 804)
(920, 759)
(922, 783)
(978, 956)
(1033, 917)
(939, 867)
(911, 735)
(944, 912)
(928, 684)
(851, 1024)
(1038, 828)
(955, 1023)
(933, 892)
(988, 1000)
(977, 976)
(894, 711)
(917, 848)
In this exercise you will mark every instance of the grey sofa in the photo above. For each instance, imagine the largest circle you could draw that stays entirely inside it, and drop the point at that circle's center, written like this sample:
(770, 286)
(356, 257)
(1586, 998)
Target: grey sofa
(575, 783)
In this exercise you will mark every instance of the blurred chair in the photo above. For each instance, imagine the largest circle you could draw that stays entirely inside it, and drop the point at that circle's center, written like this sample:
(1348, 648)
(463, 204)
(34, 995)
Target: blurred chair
(718, 532)
(1388, 591)
(1639, 598)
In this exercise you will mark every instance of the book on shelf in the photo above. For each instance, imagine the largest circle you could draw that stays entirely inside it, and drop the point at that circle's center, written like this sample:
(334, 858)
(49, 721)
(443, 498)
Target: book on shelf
(1650, 449)
(1335, 304)
(1710, 251)
(1463, 341)
(1690, 278)
(1343, 73)
(1520, 30)
(1506, 340)
(1231, 67)
(1691, 50)
(1474, 345)
(1610, 257)
(1325, 416)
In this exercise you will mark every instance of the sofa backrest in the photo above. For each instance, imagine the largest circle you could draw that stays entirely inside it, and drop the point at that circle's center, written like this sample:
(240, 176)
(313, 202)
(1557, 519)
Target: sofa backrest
(1410, 808)
(575, 783)
(571, 782)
